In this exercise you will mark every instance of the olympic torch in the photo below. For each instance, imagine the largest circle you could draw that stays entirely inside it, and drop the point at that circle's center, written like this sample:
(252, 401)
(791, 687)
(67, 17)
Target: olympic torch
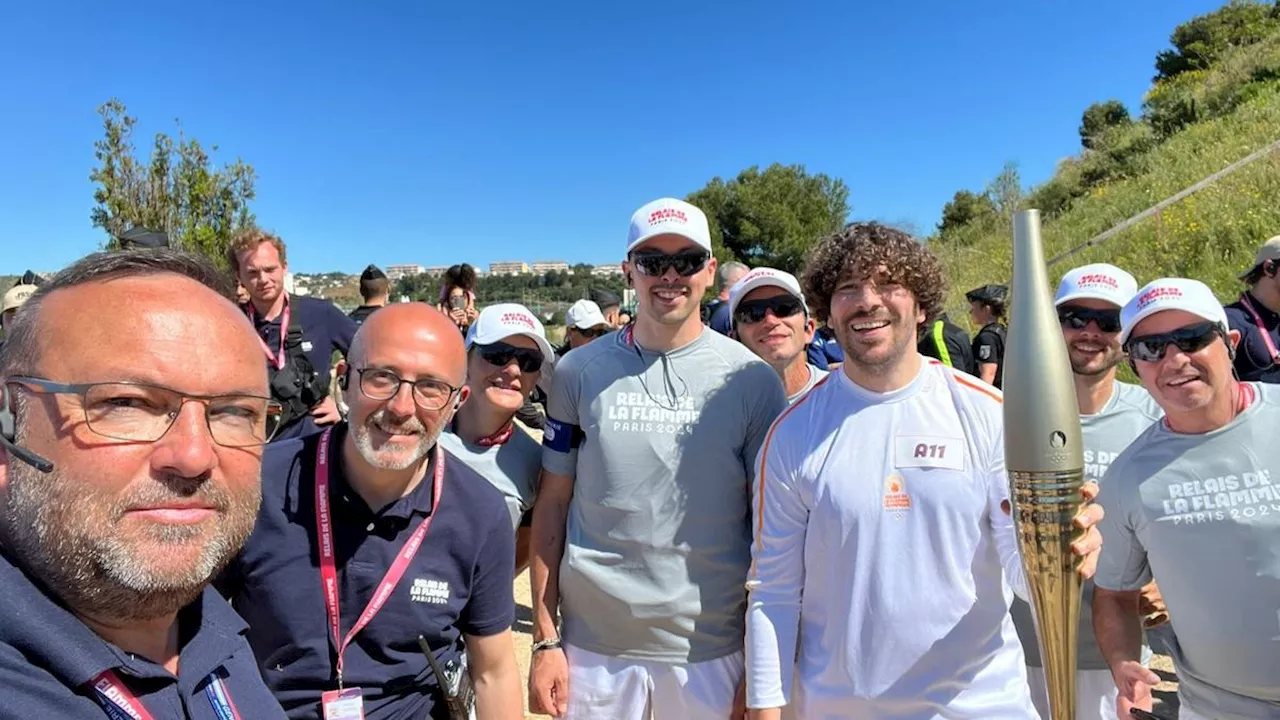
(1045, 461)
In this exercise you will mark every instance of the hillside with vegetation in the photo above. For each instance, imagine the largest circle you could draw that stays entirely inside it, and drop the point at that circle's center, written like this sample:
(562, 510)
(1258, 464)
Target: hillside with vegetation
(1214, 101)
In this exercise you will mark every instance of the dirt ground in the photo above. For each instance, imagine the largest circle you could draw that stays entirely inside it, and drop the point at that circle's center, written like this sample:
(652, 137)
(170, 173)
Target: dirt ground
(1166, 705)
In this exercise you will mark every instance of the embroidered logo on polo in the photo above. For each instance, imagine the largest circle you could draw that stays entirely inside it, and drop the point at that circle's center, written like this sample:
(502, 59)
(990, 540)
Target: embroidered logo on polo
(434, 592)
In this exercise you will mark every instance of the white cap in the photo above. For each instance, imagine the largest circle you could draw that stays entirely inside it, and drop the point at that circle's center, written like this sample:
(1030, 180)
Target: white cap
(16, 296)
(1099, 281)
(762, 277)
(1156, 296)
(499, 322)
(584, 315)
(669, 216)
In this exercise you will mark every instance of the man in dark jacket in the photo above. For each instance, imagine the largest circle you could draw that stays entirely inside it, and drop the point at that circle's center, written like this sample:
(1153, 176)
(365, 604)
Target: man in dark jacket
(946, 342)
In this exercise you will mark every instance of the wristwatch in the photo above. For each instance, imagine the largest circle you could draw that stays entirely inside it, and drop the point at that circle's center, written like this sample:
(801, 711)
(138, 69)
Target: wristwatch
(551, 644)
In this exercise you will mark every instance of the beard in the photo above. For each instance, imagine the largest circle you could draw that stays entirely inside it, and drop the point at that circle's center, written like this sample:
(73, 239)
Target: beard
(883, 356)
(387, 456)
(1090, 364)
(79, 542)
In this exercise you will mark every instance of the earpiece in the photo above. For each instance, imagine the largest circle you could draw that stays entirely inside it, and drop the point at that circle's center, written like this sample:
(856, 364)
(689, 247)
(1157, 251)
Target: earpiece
(342, 381)
(629, 283)
(1269, 268)
(9, 441)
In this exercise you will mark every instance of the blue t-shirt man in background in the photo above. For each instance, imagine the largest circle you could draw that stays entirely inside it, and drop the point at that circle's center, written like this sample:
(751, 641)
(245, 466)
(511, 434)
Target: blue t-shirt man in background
(718, 316)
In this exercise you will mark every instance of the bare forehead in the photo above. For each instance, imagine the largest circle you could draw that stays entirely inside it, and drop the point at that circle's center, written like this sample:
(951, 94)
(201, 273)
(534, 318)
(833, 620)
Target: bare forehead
(163, 324)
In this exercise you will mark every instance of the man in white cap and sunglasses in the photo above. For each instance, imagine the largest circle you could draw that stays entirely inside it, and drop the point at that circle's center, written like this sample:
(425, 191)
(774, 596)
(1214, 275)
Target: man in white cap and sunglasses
(507, 355)
(1112, 414)
(769, 316)
(1194, 503)
(641, 534)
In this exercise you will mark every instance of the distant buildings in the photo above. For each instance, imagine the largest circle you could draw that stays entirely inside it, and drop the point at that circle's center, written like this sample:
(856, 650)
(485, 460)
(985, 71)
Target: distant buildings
(395, 272)
(545, 266)
(606, 270)
(508, 267)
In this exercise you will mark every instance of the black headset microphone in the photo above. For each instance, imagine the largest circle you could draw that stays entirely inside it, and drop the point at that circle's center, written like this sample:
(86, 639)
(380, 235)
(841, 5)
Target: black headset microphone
(16, 450)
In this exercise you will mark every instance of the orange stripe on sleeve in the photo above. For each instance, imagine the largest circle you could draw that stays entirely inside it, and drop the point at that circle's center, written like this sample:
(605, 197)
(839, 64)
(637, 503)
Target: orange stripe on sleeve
(764, 458)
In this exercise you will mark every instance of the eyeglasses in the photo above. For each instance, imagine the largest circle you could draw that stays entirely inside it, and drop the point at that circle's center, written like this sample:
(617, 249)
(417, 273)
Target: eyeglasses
(428, 393)
(138, 412)
(753, 311)
(501, 354)
(1189, 339)
(656, 264)
(1077, 318)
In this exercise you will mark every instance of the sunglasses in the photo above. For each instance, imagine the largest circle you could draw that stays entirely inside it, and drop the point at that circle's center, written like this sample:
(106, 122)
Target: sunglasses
(753, 311)
(1077, 318)
(594, 332)
(656, 264)
(501, 354)
(1189, 339)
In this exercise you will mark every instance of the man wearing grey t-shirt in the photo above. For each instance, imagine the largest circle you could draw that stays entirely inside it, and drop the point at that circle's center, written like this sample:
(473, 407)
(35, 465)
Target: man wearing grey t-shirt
(1112, 414)
(1195, 503)
(641, 532)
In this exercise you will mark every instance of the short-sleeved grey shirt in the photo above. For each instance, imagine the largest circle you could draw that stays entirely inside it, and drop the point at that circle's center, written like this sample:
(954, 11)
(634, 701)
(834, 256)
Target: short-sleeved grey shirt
(1128, 412)
(511, 467)
(662, 448)
(1201, 513)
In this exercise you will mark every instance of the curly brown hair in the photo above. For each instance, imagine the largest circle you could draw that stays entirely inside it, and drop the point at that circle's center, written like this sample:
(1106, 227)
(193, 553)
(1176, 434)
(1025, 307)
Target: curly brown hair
(250, 239)
(859, 251)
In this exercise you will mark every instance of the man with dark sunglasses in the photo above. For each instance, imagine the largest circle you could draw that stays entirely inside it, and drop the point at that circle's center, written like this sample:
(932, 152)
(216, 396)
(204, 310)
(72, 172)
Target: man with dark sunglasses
(583, 323)
(770, 317)
(507, 356)
(1256, 316)
(641, 537)
(373, 539)
(133, 477)
(1112, 414)
(1194, 503)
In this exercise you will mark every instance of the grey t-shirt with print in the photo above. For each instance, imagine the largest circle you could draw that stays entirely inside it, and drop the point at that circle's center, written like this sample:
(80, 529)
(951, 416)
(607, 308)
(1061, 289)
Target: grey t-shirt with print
(511, 467)
(662, 448)
(1128, 412)
(1201, 514)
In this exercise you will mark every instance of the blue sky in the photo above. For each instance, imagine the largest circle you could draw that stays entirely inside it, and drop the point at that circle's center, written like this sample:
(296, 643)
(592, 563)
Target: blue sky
(441, 132)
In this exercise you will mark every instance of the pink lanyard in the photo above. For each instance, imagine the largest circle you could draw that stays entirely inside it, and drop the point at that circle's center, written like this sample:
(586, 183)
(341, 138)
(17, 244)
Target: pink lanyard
(121, 704)
(1266, 333)
(328, 565)
(277, 360)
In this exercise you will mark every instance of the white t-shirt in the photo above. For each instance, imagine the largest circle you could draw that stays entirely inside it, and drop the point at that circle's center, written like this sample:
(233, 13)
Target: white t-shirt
(882, 554)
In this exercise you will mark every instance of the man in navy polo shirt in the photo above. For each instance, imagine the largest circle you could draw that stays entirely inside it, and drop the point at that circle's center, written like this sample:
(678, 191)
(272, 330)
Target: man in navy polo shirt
(410, 541)
(132, 479)
(1256, 316)
(299, 366)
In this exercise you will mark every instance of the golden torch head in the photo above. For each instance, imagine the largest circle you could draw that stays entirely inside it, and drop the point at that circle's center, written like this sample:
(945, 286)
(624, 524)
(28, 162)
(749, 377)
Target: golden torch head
(1045, 460)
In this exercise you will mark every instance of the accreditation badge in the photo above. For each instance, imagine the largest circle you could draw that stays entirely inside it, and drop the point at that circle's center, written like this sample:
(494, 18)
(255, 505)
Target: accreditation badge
(345, 704)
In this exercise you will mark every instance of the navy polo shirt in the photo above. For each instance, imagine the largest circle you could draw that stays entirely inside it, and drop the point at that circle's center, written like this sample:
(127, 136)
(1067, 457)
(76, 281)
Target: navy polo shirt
(48, 659)
(1253, 358)
(325, 328)
(458, 583)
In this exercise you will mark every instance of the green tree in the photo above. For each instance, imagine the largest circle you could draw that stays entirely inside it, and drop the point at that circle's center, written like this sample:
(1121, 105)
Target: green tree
(965, 208)
(772, 217)
(1199, 42)
(1099, 117)
(1005, 191)
(179, 190)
